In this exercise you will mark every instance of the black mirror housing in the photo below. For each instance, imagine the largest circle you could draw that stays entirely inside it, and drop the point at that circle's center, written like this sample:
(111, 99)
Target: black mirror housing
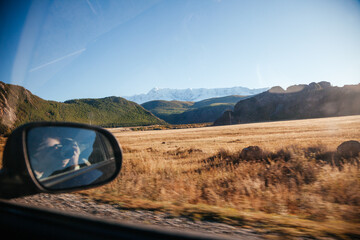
(18, 178)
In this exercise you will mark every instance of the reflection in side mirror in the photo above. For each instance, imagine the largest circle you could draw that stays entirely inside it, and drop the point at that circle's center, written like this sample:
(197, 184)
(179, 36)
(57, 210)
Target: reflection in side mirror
(53, 157)
(68, 157)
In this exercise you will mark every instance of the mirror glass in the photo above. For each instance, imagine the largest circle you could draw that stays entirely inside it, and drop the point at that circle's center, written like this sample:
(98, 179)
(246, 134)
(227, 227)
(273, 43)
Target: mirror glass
(68, 157)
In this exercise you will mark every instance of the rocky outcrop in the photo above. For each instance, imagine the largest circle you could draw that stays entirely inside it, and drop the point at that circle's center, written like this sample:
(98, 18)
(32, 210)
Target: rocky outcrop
(12, 98)
(349, 149)
(315, 100)
(251, 152)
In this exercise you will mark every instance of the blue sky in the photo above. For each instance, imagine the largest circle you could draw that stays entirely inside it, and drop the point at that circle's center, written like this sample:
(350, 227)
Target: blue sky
(61, 50)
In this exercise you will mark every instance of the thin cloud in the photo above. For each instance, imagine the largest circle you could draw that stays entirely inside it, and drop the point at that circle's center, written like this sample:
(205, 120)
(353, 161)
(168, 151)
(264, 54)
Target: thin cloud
(57, 60)
(91, 7)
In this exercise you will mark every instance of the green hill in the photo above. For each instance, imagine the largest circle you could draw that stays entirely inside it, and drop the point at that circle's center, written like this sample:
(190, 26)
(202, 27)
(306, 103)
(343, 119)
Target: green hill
(18, 106)
(178, 112)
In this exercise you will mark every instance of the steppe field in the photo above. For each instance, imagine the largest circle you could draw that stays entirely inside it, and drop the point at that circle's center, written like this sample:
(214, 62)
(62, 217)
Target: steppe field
(295, 183)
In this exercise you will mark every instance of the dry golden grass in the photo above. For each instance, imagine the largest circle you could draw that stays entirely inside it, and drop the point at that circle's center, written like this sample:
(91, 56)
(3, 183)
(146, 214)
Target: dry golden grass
(197, 173)
(272, 136)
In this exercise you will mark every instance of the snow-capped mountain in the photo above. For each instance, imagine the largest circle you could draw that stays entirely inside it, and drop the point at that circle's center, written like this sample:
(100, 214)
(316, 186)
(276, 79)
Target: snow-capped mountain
(194, 95)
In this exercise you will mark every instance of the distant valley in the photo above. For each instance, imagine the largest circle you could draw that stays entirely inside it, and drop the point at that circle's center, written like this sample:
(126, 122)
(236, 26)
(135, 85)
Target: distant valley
(185, 112)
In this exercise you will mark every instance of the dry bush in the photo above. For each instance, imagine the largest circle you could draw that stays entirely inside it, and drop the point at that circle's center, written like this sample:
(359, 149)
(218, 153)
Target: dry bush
(340, 186)
(128, 150)
(183, 153)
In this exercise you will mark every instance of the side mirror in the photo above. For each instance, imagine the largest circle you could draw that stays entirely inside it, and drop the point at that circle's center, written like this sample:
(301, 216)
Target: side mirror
(54, 157)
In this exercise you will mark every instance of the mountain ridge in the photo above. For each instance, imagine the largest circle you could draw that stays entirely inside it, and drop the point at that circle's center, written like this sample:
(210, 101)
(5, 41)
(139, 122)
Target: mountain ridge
(190, 94)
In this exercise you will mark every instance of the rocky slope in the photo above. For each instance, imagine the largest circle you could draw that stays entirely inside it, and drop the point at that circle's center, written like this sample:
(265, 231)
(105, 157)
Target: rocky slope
(315, 100)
